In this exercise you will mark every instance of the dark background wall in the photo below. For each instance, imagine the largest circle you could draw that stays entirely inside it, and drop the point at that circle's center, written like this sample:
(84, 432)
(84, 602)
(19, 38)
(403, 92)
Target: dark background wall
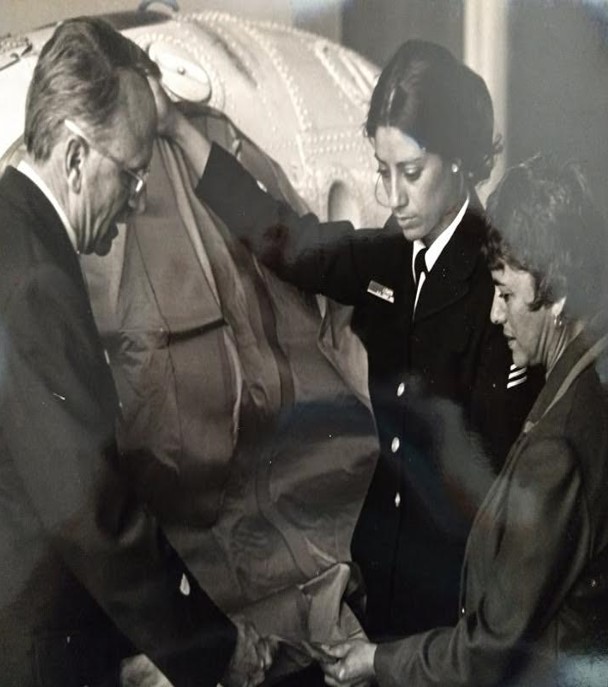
(557, 68)
(558, 85)
(376, 28)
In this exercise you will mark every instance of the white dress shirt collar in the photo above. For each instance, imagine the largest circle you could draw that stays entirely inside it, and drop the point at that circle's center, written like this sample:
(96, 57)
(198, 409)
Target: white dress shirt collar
(35, 178)
(436, 248)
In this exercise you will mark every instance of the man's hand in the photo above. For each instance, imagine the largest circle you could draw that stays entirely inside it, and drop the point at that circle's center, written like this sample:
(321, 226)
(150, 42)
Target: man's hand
(252, 657)
(353, 665)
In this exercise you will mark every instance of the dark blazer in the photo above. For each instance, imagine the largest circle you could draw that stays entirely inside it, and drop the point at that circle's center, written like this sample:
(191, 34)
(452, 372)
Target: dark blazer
(432, 379)
(535, 579)
(85, 575)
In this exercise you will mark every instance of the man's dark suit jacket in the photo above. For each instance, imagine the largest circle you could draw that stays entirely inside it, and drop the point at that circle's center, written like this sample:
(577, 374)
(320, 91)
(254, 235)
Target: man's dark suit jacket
(85, 574)
(433, 378)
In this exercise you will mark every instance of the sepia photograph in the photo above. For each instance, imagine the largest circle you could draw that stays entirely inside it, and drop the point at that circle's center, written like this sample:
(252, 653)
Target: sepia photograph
(303, 329)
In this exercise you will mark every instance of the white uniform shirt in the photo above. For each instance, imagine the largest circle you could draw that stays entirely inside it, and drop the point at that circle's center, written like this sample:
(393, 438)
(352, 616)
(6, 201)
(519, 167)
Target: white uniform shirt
(436, 248)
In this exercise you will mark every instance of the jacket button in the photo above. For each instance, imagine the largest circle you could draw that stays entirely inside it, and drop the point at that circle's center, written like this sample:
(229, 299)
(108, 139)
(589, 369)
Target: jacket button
(462, 611)
(184, 586)
(400, 389)
(593, 582)
(397, 500)
(395, 443)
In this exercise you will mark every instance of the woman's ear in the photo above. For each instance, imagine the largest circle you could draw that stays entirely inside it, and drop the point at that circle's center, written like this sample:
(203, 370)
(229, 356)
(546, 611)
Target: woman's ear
(75, 153)
(557, 308)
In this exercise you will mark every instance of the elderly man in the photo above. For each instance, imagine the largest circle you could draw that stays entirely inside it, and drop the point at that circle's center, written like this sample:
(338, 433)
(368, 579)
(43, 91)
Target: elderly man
(86, 577)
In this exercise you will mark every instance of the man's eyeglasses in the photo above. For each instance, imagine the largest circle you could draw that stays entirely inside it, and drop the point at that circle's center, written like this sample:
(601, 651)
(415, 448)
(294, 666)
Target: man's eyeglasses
(137, 179)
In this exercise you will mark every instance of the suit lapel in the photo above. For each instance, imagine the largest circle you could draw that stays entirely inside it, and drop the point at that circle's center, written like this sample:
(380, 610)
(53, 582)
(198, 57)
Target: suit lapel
(48, 235)
(46, 224)
(449, 280)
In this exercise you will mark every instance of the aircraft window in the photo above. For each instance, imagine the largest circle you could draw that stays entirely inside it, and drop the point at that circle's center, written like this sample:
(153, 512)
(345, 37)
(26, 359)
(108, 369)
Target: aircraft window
(342, 204)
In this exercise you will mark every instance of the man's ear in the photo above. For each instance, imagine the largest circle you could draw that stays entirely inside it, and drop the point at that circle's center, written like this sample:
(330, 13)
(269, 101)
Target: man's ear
(76, 151)
(558, 307)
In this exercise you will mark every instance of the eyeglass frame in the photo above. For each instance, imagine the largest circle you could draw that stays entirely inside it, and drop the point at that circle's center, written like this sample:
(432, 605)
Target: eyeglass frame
(138, 178)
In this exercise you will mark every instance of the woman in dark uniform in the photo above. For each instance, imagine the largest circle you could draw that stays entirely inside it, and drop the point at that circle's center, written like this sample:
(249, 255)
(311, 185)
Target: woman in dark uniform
(534, 598)
(446, 400)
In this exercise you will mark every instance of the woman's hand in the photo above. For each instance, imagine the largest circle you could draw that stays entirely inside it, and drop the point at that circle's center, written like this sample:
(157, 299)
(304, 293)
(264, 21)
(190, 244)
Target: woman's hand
(168, 115)
(354, 664)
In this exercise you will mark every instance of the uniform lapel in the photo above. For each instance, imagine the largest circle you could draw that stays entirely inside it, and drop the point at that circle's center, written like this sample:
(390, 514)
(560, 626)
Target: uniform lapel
(449, 280)
(407, 278)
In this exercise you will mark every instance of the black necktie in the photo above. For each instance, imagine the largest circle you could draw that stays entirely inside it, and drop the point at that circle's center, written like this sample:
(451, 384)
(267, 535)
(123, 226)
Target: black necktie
(420, 265)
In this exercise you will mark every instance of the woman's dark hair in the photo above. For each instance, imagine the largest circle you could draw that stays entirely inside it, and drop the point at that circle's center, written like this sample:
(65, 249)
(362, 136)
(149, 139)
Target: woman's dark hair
(426, 93)
(543, 220)
(77, 77)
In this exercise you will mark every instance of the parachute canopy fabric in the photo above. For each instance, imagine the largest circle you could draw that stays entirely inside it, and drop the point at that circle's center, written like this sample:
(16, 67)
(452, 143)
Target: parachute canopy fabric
(245, 420)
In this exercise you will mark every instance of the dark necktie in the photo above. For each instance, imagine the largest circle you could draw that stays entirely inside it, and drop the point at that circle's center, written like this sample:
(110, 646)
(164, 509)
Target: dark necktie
(420, 265)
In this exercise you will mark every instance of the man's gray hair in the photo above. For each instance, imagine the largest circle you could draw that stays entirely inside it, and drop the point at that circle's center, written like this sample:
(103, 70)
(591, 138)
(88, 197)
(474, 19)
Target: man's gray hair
(77, 77)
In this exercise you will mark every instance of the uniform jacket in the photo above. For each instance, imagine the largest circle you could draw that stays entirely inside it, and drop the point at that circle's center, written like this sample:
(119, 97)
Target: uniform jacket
(432, 379)
(85, 574)
(535, 579)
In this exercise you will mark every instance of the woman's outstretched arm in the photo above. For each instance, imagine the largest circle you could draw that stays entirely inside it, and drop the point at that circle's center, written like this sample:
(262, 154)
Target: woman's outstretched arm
(319, 257)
